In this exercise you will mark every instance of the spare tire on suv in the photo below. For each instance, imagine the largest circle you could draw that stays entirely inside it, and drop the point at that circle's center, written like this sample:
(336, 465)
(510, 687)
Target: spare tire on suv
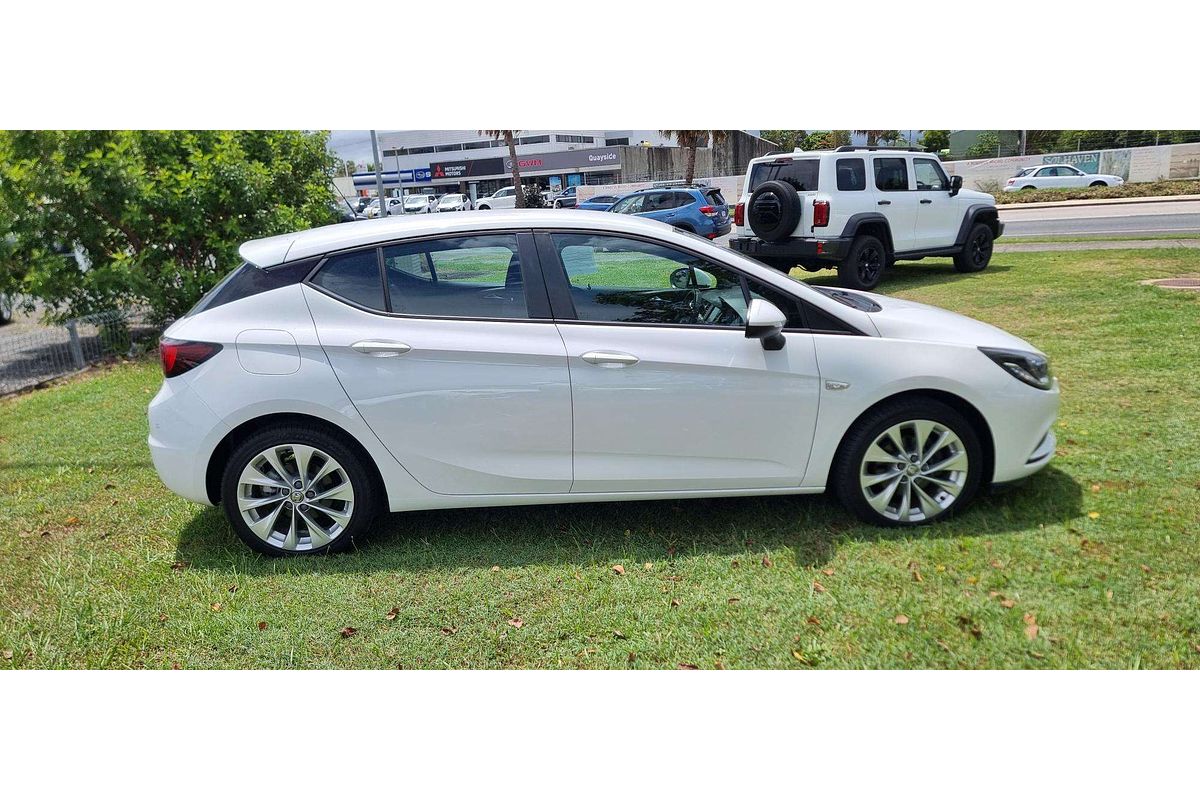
(774, 211)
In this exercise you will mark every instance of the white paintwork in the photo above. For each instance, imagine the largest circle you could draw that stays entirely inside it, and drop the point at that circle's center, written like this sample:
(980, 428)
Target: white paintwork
(1058, 176)
(453, 202)
(919, 219)
(458, 413)
(505, 197)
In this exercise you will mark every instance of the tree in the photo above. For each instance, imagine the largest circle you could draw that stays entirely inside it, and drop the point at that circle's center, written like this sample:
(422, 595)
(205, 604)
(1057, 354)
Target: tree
(157, 216)
(787, 140)
(509, 138)
(875, 137)
(690, 140)
(826, 140)
(936, 141)
(986, 146)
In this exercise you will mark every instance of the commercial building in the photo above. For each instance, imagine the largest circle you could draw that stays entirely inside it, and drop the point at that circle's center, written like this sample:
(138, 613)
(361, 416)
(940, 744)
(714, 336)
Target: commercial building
(465, 161)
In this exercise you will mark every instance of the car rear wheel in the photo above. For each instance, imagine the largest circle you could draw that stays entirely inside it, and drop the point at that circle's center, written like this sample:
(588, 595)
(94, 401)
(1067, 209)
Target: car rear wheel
(863, 266)
(293, 490)
(908, 463)
(977, 253)
(1094, 184)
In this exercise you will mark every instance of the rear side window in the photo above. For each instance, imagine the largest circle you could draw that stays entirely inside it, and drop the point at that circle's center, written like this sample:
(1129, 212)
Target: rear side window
(354, 277)
(248, 280)
(467, 276)
(851, 175)
(891, 175)
(801, 174)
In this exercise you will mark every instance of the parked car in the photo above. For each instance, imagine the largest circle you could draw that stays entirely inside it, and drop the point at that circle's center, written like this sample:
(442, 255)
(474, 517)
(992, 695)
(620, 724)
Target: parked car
(699, 209)
(859, 210)
(360, 203)
(419, 203)
(1058, 176)
(454, 202)
(394, 206)
(565, 199)
(344, 211)
(601, 202)
(548, 196)
(312, 389)
(501, 198)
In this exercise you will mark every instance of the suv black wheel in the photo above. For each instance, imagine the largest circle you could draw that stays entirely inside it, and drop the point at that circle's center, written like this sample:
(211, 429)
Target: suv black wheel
(864, 265)
(908, 462)
(773, 211)
(977, 252)
(293, 490)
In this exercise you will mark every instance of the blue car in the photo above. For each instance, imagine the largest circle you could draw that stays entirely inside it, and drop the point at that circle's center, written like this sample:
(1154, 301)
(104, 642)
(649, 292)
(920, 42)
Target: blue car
(699, 209)
(602, 202)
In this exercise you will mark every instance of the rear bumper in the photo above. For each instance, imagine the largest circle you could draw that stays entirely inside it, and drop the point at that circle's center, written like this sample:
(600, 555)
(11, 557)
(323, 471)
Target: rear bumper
(797, 248)
(183, 434)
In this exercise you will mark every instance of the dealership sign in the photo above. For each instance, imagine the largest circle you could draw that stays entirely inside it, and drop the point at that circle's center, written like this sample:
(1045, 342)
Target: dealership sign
(478, 168)
(600, 157)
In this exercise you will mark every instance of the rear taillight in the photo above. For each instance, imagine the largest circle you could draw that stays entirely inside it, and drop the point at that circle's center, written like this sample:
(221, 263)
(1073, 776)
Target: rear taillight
(178, 357)
(820, 213)
(708, 211)
(739, 214)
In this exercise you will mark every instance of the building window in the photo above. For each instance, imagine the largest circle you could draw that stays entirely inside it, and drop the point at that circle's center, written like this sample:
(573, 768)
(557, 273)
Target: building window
(446, 148)
(624, 140)
(573, 139)
(412, 151)
(476, 145)
(534, 139)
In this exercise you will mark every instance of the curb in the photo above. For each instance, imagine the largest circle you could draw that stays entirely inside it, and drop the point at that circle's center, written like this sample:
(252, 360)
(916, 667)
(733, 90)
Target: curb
(1109, 201)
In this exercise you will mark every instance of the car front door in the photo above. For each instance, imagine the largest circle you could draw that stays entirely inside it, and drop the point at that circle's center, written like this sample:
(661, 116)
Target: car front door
(659, 206)
(895, 201)
(939, 215)
(446, 349)
(667, 391)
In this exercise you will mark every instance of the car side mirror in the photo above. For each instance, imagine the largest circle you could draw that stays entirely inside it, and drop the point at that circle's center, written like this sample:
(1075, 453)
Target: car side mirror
(955, 184)
(764, 321)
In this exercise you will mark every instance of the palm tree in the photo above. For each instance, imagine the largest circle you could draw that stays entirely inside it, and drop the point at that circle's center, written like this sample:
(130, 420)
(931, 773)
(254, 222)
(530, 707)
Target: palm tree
(875, 137)
(691, 140)
(509, 138)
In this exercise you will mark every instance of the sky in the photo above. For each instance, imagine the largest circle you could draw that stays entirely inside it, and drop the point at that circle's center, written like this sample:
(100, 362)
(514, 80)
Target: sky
(355, 145)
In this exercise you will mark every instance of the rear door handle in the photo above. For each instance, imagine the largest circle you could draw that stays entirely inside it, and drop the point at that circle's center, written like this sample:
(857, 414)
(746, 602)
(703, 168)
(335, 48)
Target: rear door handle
(609, 358)
(381, 348)
(885, 202)
(926, 202)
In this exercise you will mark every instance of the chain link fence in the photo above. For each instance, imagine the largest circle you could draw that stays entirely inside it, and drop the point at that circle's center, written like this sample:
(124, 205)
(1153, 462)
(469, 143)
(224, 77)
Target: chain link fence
(30, 358)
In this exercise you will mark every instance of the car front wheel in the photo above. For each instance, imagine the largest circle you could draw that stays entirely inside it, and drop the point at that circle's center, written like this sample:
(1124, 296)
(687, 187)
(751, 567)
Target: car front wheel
(295, 490)
(908, 463)
(977, 253)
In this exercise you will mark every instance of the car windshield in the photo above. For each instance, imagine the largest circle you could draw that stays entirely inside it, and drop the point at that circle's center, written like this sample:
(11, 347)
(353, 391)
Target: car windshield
(414, 200)
(452, 198)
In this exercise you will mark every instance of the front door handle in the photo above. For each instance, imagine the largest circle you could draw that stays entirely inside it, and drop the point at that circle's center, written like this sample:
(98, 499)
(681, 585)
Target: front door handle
(609, 358)
(381, 348)
(926, 202)
(885, 202)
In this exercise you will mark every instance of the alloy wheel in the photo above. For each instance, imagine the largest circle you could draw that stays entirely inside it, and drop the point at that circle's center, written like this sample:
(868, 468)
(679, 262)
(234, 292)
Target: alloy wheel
(870, 263)
(981, 249)
(295, 497)
(914, 471)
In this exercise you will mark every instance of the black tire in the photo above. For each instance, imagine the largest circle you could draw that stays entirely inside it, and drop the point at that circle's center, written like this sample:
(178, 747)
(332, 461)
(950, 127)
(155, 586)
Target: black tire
(366, 496)
(1030, 188)
(977, 252)
(848, 465)
(1094, 184)
(864, 264)
(773, 211)
(484, 208)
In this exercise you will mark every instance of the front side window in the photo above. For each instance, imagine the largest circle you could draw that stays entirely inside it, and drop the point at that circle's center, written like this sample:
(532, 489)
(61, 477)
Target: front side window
(658, 201)
(851, 175)
(801, 173)
(614, 279)
(891, 175)
(929, 175)
(469, 276)
(354, 277)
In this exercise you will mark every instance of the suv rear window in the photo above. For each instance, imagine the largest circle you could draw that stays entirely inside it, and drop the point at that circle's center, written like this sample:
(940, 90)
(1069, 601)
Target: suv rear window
(715, 197)
(800, 173)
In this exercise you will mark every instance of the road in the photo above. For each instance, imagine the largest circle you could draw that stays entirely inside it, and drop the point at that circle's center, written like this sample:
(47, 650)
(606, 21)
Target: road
(1181, 216)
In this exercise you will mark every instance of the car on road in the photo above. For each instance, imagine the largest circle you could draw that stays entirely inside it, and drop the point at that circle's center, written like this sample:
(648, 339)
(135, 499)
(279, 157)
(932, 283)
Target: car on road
(859, 210)
(565, 199)
(419, 203)
(601, 202)
(529, 357)
(501, 198)
(701, 210)
(1058, 176)
(454, 202)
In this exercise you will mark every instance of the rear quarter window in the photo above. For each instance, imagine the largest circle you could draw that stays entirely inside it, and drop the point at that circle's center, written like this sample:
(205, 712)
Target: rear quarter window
(802, 173)
(249, 280)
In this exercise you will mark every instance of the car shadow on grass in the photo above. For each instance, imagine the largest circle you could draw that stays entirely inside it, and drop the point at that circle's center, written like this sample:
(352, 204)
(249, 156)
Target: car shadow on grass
(909, 275)
(580, 534)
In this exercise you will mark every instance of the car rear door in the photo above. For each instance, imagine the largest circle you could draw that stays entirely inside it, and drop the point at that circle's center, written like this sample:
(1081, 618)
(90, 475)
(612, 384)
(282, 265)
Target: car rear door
(895, 198)
(446, 348)
(667, 391)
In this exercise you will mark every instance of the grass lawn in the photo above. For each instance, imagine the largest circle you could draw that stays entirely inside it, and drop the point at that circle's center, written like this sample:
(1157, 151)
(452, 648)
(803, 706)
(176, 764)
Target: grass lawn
(1127, 237)
(1093, 563)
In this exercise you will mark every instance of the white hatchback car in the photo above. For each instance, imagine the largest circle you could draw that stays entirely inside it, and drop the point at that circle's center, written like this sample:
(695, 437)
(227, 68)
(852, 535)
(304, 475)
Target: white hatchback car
(1058, 176)
(529, 357)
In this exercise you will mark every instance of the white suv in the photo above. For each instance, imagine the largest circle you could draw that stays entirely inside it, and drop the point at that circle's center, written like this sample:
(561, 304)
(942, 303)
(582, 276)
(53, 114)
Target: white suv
(860, 209)
(501, 198)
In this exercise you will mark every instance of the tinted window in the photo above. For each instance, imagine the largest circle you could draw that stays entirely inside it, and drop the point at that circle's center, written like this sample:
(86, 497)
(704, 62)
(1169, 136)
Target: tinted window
(683, 199)
(248, 280)
(715, 197)
(851, 175)
(471, 276)
(929, 175)
(891, 175)
(801, 174)
(355, 277)
(625, 280)
(658, 201)
(630, 205)
(1047, 172)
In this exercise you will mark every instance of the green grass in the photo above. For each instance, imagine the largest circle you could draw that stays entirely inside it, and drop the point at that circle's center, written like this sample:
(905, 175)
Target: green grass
(100, 566)
(1129, 237)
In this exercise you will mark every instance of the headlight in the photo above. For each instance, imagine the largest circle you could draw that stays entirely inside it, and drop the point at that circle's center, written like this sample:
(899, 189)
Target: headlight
(1029, 368)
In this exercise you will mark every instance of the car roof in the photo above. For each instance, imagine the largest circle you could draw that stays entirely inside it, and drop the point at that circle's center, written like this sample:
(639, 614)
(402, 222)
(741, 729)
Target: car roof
(305, 244)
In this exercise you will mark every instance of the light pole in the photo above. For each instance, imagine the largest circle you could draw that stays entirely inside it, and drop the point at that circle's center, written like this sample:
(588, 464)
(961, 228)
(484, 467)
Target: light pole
(378, 175)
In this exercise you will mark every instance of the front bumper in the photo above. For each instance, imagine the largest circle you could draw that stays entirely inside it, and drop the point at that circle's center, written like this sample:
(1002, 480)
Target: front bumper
(797, 248)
